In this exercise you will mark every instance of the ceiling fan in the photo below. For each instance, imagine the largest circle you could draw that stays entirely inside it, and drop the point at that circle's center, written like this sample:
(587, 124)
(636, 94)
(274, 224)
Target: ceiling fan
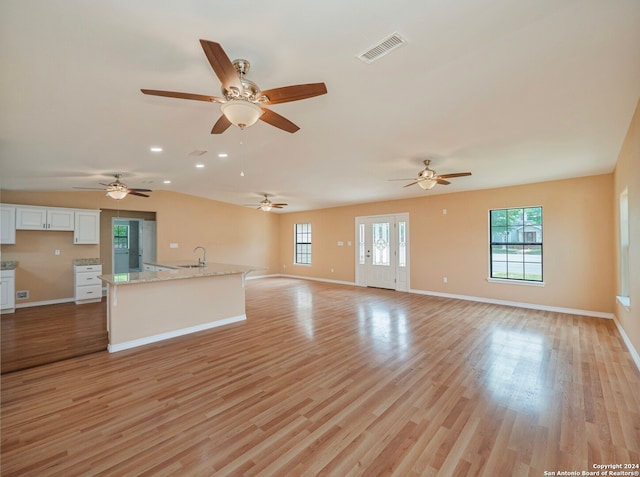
(266, 205)
(118, 190)
(428, 178)
(243, 102)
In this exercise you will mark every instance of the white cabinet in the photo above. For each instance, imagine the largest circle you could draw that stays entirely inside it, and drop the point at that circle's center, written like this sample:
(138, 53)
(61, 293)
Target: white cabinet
(7, 224)
(7, 291)
(44, 218)
(84, 223)
(88, 287)
(87, 227)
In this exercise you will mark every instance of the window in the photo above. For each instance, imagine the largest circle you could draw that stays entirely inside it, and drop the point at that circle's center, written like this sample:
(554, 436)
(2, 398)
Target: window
(361, 244)
(303, 244)
(624, 245)
(402, 244)
(120, 236)
(516, 243)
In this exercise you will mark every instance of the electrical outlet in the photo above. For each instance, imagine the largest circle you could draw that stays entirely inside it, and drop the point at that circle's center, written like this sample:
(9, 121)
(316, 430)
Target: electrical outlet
(57, 252)
(444, 279)
(22, 295)
(173, 245)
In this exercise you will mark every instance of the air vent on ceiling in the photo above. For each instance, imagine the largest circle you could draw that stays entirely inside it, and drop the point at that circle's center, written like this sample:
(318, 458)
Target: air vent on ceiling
(197, 152)
(382, 48)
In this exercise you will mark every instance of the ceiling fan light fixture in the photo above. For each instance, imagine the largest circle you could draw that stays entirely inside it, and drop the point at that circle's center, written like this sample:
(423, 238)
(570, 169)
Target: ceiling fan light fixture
(427, 183)
(117, 194)
(242, 113)
(265, 207)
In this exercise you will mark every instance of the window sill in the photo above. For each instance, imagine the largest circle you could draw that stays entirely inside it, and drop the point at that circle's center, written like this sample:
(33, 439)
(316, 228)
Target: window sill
(301, 264)
(516, 282)
(625, 301)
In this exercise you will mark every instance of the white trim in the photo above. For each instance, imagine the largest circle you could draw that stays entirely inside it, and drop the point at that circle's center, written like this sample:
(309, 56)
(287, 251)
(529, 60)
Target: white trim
(532, 306)
(517, 304)
(516, 282)
(45, 302)
(625, 301)
(174, 334)
(627, 342)
(339, 282)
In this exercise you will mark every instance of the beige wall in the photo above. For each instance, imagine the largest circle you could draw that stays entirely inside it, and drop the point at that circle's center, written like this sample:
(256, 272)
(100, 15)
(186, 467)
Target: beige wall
(578, 239)
(231, 234)
(627, 175)
(578, 242)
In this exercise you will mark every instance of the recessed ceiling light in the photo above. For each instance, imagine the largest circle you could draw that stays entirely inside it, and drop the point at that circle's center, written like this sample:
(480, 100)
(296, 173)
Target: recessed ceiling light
(223, 154)
(200, 166)
(155, 149)
(166, 182)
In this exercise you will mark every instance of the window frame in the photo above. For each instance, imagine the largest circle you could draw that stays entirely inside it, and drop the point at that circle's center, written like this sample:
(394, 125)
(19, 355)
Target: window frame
(118, 237)
(298, 253)
(510, 228)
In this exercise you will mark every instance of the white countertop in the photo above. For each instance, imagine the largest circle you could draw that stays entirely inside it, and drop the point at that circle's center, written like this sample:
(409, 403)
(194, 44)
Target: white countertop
(212, 269)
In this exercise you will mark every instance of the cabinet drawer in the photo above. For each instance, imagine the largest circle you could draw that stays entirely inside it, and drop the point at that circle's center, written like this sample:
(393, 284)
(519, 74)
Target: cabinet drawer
(89, 268)
(83, 293)
(88, 278)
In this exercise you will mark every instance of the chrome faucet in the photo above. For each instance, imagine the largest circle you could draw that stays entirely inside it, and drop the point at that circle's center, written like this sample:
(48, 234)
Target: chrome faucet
(202, 262)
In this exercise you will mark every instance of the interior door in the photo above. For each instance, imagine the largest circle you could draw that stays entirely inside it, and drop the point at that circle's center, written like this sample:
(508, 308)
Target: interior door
(120, 246)
(379, 252)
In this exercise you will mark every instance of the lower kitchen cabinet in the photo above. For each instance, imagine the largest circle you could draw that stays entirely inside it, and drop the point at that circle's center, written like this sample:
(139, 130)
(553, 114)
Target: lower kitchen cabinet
(7, 291)
(88, 287)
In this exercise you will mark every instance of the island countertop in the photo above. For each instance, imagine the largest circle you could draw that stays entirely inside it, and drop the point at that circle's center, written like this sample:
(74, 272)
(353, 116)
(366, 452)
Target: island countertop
(177, 273)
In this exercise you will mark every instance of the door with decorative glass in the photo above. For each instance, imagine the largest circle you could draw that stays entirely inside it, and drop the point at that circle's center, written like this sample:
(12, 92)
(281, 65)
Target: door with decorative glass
(378, 251)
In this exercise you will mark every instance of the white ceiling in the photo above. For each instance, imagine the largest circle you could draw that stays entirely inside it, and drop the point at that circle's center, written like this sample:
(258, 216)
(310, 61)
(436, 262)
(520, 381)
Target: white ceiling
(513, 91)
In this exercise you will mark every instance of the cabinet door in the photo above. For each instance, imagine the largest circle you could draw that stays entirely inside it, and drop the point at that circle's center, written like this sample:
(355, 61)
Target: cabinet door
(87, 227)
(7, 225)
(7, 293)
(31, 218)
(60, 219)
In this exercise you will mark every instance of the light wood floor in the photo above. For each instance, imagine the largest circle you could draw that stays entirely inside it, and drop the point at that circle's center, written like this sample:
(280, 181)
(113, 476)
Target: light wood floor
(46, 334)
(327, 379)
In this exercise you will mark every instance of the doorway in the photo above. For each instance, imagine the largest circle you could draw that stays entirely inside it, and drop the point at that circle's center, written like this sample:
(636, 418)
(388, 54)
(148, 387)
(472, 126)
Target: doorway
(134, 243)
(382, 254)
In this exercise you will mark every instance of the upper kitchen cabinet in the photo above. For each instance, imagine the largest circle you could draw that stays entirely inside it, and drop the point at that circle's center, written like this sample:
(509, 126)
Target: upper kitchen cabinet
(87, 227)
(7, 225)
(44, 218)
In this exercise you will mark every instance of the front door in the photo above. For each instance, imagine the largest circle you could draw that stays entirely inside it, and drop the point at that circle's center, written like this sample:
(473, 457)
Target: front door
(379, 252)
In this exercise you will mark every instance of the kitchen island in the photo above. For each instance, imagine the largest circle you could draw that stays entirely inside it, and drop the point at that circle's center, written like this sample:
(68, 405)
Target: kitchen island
(146, 307)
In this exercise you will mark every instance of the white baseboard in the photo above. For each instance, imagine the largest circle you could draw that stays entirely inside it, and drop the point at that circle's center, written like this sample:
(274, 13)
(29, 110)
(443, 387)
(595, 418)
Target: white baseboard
(174, 334)
(532, 306)
(326, 280)
(45, 302)
(627, 342)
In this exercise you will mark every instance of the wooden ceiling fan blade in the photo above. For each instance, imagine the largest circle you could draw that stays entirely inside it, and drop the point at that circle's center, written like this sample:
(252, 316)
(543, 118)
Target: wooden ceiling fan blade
(175, 94)
(441, 181)
(222, 65)
(88, 188)
(457, 174)
(221, 125)
(294, 93)
(412, 179)
(137, 193)
(413, 183)
(132, 189)
(278, 121)
(278, 205)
